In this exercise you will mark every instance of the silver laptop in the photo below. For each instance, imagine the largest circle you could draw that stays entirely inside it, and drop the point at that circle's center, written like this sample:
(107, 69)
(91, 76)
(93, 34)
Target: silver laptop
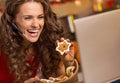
(98, 38)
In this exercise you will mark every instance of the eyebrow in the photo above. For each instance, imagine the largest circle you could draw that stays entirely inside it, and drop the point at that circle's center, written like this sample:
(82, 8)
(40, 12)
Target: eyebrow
(31, 15)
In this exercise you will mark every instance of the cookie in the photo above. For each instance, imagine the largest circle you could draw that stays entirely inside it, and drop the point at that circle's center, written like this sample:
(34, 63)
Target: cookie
(63, 47)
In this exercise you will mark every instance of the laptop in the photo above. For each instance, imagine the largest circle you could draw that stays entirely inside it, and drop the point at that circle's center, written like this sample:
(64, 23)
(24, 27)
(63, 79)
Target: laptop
(98, 37)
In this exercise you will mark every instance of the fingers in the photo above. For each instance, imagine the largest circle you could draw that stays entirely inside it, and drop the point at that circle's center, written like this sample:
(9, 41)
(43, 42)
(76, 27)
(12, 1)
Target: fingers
(71, 52)
(69, 57)
(62, 39)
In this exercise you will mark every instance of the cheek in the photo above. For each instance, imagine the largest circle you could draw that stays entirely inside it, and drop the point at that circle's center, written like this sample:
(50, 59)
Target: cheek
(42, 22)
(23, 26)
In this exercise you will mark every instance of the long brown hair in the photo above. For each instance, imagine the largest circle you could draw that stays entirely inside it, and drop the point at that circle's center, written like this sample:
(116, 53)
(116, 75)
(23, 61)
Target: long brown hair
(11, 41)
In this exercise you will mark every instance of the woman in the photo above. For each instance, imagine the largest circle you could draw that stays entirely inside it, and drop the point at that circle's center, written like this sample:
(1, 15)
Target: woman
(28, 41)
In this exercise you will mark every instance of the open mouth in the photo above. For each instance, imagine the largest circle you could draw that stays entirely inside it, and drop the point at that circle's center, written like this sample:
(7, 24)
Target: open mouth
(33, 32)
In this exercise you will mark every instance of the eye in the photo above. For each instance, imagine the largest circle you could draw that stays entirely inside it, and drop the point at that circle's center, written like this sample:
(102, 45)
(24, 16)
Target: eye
(41, 16)
(27, 17)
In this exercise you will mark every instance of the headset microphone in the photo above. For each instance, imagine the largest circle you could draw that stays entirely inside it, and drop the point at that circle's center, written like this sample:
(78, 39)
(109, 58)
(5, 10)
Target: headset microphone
(16, 29)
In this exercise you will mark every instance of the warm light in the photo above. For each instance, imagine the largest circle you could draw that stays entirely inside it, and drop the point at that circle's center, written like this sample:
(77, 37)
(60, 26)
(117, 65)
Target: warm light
(77, 2)
(58, 0)
(99, 1)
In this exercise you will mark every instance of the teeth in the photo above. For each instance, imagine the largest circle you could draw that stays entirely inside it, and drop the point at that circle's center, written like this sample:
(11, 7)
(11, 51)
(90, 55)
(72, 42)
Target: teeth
(33, 31)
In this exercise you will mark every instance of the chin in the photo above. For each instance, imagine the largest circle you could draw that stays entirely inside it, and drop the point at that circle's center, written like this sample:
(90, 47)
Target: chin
(33, 40)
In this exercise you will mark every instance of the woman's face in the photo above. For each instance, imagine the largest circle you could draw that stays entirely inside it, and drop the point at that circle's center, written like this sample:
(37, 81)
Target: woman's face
(30, 20)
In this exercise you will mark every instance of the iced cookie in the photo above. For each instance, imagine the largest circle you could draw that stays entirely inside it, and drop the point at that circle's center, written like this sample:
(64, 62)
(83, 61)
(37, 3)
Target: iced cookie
(63, 47)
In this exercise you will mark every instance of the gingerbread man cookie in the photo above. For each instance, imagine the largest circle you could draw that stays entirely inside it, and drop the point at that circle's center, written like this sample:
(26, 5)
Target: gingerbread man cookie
(63, 47)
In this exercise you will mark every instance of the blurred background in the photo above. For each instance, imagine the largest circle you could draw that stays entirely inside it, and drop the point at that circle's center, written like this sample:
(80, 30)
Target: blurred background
(69, 10)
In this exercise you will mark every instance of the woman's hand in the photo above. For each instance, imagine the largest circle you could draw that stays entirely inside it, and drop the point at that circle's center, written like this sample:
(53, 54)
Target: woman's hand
(35, 79)
(68, 57)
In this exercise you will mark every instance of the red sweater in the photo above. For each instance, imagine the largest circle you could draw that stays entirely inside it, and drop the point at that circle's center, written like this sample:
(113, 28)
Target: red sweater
(6, 76)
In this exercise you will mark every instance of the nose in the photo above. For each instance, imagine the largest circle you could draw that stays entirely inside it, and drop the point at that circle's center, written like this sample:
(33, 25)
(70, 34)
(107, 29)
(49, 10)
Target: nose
(35, 23)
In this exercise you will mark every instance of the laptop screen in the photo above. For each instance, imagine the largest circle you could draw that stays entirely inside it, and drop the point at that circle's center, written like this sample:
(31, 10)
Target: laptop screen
(98, 37)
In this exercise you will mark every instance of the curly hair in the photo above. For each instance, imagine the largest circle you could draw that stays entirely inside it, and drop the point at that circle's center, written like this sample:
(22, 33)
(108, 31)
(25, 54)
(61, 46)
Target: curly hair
(11, 41)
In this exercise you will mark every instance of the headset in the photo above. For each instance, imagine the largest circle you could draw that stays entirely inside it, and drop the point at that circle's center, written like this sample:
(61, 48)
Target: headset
(15, 28)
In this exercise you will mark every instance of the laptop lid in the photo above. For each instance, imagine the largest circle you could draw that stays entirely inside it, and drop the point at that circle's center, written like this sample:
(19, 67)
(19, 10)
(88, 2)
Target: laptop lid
(98, 37)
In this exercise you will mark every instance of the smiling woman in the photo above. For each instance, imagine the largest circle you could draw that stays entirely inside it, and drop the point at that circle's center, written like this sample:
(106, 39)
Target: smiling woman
(28, 36)
(30, 20)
